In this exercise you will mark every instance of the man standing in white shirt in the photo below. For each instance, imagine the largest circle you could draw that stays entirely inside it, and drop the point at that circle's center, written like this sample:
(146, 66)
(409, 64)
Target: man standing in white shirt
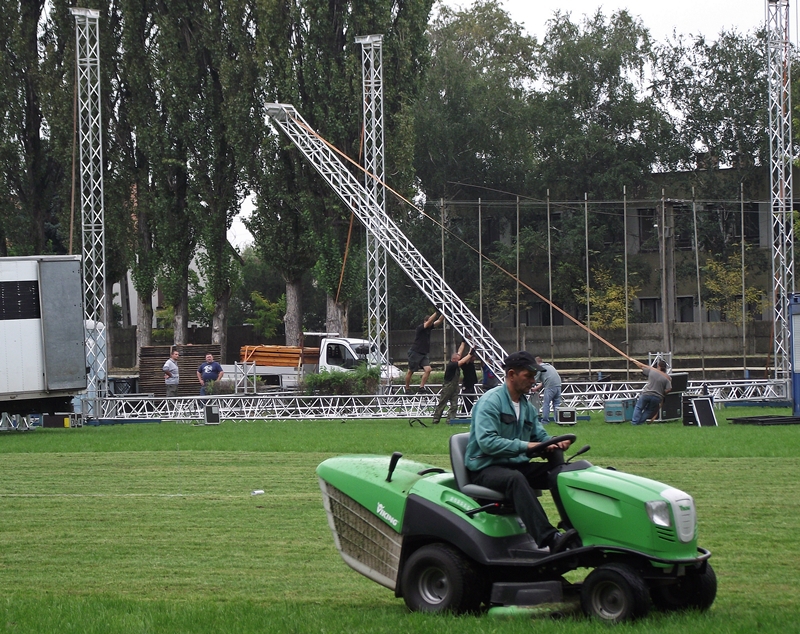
(171, 373)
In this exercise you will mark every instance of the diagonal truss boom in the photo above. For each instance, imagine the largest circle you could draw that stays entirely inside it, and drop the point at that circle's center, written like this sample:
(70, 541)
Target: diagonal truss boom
(388, 234)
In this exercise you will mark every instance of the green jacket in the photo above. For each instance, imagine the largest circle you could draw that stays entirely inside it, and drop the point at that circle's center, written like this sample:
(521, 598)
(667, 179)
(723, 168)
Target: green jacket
(496, 436)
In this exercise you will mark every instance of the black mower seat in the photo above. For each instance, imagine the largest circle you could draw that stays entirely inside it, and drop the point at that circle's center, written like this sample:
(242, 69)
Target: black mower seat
(458, 449)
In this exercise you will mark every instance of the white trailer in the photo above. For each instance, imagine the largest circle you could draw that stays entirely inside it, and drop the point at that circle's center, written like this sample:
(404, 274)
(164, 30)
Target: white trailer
(42, 337)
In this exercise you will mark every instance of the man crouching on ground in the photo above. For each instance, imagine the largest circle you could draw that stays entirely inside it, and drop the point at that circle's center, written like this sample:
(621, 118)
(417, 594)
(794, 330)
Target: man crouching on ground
(504, 426)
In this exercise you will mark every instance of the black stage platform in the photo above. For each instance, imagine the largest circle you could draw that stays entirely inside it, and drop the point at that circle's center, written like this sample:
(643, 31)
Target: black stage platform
(766, 420)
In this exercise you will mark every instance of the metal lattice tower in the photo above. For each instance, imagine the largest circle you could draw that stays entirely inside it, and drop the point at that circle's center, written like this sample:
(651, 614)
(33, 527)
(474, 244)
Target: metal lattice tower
(377, 278)
(388, 234)
(780, 146)
(87, 55)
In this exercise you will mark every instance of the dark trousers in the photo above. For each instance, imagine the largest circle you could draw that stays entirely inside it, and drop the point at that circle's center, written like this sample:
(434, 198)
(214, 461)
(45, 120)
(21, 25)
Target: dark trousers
(517, 482)
(449, 394)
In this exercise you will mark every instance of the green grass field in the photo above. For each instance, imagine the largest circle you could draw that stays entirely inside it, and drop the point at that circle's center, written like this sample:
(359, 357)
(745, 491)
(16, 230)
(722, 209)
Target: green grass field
(153, 528)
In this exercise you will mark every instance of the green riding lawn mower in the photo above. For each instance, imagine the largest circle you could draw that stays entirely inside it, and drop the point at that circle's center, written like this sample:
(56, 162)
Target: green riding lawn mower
(444, 544)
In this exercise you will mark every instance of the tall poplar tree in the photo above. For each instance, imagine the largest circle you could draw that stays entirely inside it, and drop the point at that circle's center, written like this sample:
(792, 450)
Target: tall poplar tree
(140, 139)
(308, 50)
(30, 173)
(221, 145)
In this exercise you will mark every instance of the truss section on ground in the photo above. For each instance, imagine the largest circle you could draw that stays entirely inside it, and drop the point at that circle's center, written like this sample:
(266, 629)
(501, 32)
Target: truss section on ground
(395, 404)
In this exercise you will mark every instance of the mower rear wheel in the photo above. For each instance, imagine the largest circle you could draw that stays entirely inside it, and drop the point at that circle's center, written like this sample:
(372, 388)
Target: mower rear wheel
(615, 593)
(692, 592)
(439, 578)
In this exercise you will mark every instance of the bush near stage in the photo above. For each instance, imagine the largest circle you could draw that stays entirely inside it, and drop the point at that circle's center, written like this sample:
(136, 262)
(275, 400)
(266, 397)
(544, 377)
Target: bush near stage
(361, 380)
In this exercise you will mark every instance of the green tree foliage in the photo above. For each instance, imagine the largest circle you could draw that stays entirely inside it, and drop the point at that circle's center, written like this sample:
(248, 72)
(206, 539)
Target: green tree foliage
(30, 171)
(715, 92)
(599, 128)
(722, 290)
(311, 60)
(268, 315)
(571, 115)
(219, 144)
(500, 288)
(607, 300)
(594, 107)
(179, 214)
(474, 123)
(139, 134)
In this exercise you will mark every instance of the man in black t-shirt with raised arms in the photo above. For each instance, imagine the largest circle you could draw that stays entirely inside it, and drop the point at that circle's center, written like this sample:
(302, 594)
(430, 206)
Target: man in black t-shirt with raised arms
(418, 352)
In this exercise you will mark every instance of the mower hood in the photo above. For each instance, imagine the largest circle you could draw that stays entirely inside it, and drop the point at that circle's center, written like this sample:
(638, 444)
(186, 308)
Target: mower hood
(613, 508)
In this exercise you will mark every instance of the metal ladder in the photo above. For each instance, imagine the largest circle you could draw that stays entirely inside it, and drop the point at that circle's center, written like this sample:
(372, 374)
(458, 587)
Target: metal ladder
(353, 193)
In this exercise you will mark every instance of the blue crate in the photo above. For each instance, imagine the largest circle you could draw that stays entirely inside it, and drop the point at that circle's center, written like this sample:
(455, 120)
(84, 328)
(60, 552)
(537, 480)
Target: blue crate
(619, 410)
(460, 421)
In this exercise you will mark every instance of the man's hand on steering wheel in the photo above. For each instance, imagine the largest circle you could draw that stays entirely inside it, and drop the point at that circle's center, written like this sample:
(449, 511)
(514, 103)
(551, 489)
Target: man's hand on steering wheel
(556, 442)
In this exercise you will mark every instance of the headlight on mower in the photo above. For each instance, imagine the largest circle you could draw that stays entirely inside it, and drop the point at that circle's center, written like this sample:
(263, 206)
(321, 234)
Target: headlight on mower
(658, 512)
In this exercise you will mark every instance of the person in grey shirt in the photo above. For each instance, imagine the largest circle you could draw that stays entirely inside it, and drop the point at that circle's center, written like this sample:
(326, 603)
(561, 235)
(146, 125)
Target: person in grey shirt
(548, 382)
(170, 369)
(657, 387)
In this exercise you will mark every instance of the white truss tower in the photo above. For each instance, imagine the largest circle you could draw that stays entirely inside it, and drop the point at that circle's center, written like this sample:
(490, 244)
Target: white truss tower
(388, 234)
(377, 278)
(780, 146)
(87, 54)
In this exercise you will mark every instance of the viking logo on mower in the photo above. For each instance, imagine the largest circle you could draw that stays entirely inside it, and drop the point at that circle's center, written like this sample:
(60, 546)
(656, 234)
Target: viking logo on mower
(382, 512)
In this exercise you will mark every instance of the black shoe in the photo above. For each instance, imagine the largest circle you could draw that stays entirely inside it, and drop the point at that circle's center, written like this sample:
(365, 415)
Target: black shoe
(563, 541)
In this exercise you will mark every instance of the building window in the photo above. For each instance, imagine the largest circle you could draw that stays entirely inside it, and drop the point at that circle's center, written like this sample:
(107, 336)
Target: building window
(686, 308)
(751, 220)
(648, 233)
(650, 308)
(684, 228)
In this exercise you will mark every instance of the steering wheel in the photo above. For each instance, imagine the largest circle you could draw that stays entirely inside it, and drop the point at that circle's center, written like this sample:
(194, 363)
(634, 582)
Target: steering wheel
(539, 449)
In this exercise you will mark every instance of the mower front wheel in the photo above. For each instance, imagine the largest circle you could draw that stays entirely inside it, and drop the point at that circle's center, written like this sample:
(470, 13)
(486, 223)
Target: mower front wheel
(692, 592)
(439, 578)
(615, 593)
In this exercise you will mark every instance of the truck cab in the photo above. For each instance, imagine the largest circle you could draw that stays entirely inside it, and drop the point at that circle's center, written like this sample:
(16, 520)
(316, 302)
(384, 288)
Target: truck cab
(341, 354)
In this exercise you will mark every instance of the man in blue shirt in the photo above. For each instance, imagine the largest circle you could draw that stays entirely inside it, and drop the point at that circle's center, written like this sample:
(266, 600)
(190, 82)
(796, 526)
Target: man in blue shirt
(209, 370)
(504, 426)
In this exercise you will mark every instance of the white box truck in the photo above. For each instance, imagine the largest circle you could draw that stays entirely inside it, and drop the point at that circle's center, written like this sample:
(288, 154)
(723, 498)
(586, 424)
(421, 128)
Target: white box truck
(42, 338)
